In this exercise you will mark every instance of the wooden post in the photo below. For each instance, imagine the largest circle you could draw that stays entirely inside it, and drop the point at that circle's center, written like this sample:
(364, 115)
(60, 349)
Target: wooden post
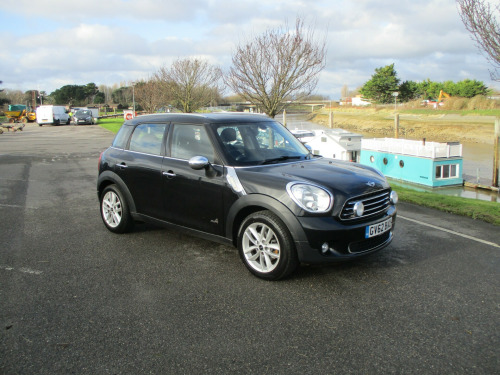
(330, 119)
(284, 118)
(495, 152)
(396, 125)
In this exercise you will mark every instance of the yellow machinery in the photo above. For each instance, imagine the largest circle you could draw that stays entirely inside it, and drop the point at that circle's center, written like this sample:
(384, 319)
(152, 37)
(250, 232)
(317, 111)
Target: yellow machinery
(442, 95)
(20, 113)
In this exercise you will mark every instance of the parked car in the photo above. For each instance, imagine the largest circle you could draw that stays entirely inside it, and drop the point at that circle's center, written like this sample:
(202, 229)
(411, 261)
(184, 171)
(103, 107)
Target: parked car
(83, 117)
(244, 180)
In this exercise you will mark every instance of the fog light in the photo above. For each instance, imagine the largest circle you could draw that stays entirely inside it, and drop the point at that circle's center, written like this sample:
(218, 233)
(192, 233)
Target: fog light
(325, 247)
(394, 197)
(359, 209)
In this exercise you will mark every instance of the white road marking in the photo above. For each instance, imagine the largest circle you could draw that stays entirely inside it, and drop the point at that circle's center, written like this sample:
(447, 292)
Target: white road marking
(450, 231)
(22, 269)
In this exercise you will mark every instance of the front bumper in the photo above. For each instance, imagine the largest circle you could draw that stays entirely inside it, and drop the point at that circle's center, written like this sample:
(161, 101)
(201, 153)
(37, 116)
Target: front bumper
(345, 240)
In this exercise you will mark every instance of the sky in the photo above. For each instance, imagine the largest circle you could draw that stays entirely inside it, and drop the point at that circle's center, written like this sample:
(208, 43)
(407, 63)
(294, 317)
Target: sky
(46, 44)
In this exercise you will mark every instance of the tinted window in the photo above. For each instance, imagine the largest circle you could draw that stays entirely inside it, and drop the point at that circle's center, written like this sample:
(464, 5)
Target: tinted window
(147, 138)
(258, 143)
(189, 141)
(121, 138)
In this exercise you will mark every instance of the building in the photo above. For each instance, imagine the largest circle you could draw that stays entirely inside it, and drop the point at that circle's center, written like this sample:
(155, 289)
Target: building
(356, 101)
(336, 144)
(426, 163)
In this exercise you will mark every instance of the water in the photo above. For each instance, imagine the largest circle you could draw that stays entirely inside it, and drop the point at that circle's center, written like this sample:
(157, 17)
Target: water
(477, 163)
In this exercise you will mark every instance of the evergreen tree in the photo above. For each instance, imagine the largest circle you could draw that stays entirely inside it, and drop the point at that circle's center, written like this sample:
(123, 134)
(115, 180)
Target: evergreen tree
(382, 84)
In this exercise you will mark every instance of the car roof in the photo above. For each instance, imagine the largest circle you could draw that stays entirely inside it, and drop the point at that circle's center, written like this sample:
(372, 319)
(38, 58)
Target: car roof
(200, 118)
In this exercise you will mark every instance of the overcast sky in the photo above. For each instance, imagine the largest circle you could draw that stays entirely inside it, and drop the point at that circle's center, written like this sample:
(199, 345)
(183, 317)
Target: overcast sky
(46, 44)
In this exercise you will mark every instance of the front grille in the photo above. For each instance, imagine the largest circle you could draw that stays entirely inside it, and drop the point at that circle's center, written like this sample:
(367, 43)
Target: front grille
(374, 203)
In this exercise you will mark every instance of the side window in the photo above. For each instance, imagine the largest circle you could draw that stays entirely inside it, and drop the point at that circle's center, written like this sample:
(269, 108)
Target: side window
(121, 138)
(189, 141)
(147, 138)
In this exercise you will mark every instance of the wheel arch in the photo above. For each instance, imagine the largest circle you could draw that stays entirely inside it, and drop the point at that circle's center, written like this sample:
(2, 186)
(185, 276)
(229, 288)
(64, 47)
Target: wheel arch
(109, 178)
(249, 204)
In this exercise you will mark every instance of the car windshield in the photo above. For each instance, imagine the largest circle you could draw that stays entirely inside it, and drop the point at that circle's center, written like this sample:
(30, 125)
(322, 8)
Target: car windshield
(250, 144)
(83, 112)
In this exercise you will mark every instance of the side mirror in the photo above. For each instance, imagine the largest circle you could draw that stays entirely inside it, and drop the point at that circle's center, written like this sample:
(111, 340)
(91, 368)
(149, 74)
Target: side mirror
(198, 162)
(309, 148)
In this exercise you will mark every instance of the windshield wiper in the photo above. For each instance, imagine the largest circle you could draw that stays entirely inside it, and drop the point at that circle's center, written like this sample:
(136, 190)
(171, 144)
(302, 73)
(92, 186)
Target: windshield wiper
(281, 158)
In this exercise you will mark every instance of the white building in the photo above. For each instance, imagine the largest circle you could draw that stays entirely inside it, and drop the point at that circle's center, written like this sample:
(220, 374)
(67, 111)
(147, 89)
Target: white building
(336, 144)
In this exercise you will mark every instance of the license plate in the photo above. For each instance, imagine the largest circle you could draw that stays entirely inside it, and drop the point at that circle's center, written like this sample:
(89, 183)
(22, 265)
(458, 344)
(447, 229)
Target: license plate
(379, 228)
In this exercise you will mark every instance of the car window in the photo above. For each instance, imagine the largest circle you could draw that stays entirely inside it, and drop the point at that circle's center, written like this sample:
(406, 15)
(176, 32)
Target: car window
(258, 143)
(147, 138)
(83, 113)
(189, 141)
(122, 137)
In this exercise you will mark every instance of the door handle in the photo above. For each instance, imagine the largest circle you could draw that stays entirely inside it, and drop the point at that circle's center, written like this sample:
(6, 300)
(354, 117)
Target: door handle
(169, 174)
(121, 165)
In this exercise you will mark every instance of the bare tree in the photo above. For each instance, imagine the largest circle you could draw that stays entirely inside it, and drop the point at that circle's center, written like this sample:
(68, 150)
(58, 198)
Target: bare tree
(480, 20)
(278, 66)
(191, 83)
(14, 96)
(149, 95)
(344, 92)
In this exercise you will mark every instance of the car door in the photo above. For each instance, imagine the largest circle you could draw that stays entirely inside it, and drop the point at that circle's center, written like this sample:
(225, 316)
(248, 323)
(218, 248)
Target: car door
(192, 198)
(140, 168)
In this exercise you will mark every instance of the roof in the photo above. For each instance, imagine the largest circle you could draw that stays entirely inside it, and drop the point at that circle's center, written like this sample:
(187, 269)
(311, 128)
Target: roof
(200, 118)
(413, 147)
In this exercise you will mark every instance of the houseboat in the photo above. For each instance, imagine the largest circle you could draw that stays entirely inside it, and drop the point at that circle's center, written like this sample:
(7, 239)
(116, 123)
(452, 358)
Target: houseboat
(431, 164)
(336, 144)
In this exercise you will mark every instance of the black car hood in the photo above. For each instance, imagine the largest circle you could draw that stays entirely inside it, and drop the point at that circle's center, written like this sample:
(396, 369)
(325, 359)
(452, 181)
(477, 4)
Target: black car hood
(343, 179)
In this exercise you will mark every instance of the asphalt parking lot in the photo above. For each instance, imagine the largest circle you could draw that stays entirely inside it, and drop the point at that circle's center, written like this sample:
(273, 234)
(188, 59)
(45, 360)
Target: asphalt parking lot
(75, 298)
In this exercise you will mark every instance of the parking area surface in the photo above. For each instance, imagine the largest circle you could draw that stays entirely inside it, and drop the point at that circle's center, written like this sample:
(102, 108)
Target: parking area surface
(75, 298)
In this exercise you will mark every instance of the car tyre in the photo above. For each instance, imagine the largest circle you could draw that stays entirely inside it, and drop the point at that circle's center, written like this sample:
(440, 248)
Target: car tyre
(266, 246)
(115, 212)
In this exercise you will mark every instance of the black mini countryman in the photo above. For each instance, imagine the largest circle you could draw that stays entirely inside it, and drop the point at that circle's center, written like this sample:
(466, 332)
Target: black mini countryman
(246, 181)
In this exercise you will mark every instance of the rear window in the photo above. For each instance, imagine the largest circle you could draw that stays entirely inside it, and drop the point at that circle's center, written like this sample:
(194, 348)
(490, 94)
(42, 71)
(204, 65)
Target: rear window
(148, 138)
(122, 137)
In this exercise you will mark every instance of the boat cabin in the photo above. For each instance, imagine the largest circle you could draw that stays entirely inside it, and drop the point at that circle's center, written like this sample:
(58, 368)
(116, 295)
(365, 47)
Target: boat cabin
(431, 164)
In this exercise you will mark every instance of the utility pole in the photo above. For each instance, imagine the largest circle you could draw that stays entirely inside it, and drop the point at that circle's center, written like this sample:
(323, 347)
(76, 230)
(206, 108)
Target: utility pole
(396, 125)
(133, 98)
(395, 94)
(496, 156)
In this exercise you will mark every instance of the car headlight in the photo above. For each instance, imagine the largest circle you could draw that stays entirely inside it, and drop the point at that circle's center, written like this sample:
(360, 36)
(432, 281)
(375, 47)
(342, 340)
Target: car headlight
(394, 197)
(311, 198)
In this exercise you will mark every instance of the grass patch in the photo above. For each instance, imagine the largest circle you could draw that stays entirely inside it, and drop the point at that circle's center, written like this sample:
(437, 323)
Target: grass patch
(473, 208)
(111, 124)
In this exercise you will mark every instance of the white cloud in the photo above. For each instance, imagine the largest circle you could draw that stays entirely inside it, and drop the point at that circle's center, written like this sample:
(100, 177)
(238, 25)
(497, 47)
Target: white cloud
(59, 43)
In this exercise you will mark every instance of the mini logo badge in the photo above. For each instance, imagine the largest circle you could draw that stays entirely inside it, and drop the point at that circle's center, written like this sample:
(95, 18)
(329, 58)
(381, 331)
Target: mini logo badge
(371, 184)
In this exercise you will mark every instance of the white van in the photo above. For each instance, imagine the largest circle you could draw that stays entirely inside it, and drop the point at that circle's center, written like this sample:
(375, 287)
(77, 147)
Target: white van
(52, 114)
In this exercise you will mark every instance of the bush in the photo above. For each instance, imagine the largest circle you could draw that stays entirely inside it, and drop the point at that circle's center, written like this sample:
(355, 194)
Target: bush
(478, 102)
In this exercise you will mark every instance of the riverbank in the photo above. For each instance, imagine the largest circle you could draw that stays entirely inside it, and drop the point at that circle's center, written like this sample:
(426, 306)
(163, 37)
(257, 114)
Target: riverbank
(437, 127)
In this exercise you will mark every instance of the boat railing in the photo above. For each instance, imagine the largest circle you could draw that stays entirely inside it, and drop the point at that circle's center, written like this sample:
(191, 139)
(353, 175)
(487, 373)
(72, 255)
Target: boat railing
(413, 148)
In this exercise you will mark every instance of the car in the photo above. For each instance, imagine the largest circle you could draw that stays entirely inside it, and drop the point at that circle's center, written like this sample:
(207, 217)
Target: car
(83, 117)
(244, 180)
